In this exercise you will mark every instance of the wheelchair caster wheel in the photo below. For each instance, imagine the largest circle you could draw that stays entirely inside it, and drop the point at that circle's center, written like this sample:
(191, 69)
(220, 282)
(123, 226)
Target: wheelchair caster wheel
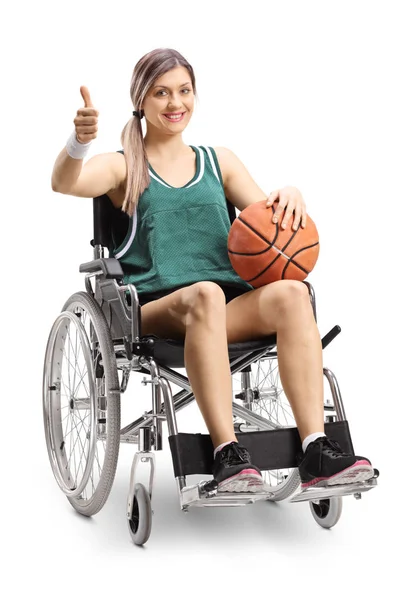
(327, 511)
(140, 521)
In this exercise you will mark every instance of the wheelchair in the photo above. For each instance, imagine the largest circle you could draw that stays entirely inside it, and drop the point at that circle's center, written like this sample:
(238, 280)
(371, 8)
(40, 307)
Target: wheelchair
(94, 345)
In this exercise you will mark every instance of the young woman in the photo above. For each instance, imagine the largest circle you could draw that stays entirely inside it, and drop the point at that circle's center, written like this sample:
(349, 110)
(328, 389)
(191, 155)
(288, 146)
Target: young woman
(175, 254)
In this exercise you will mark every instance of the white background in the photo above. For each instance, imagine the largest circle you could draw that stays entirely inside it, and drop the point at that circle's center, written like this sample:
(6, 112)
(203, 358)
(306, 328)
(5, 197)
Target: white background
(306, 94)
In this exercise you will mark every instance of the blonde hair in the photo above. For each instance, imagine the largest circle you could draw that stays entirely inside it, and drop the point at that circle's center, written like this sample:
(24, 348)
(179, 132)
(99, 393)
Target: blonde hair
(149, 68)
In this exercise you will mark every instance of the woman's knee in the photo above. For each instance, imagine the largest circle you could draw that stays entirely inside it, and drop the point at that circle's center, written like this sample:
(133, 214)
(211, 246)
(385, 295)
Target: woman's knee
(207, 298)
(291, 296)
(171, 314)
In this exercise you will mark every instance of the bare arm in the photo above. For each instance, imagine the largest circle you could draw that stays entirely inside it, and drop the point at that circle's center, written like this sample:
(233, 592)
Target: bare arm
(101, 174)
(66, 171)
(240, 188)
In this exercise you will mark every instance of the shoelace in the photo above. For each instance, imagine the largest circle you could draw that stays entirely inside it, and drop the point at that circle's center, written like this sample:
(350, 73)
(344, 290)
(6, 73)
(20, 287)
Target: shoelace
(234, 454)
(333, 448)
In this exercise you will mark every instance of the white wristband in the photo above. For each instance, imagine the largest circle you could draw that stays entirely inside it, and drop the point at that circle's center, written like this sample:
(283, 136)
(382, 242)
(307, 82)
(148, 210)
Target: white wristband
(74, 148)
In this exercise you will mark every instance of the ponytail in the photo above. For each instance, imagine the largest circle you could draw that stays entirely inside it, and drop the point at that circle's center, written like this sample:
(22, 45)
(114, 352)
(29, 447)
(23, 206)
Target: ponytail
(137, 179)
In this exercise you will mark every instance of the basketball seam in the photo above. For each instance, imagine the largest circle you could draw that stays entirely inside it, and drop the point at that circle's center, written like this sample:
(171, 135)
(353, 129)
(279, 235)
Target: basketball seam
(295, 263)
(271, 244)
(285, 267)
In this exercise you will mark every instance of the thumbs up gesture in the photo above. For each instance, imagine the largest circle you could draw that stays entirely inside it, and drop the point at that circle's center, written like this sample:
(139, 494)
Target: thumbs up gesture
(86, 119)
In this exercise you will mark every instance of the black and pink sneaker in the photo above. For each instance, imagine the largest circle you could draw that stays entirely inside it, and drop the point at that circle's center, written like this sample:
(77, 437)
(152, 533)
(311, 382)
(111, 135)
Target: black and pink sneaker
(233, 471)
(324, 463)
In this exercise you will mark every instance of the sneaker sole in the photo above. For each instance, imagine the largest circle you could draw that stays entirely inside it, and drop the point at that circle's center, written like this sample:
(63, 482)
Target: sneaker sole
(360, 471)
(247, 480)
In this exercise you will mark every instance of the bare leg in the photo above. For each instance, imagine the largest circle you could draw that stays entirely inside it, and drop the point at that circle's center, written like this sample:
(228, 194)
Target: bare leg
(300, 367)
(197, 314)
(284, 308)
(207, 362)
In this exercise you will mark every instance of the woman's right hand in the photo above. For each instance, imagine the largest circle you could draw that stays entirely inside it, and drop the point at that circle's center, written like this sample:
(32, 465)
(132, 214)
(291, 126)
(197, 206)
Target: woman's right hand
(86, 119)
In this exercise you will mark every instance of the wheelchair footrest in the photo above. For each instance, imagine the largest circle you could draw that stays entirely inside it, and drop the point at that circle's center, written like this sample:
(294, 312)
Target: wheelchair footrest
(312, 494)
(204, 494)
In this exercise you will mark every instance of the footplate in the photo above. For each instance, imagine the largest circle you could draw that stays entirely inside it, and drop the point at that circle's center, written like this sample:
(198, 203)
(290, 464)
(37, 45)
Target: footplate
(312, 494)
(205, 494)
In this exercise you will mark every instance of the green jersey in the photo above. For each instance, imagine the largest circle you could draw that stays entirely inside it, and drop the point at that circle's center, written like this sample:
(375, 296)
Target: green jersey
(178, 236)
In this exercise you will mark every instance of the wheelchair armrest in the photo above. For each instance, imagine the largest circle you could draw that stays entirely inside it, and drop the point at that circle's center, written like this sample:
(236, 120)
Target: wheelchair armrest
(110, 267)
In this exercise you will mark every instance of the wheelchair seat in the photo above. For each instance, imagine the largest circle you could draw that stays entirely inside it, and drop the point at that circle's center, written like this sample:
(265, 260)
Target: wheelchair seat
(170, 352)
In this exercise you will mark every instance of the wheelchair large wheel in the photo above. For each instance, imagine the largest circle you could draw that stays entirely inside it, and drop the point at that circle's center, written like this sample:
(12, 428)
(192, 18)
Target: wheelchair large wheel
(81, 404)
(261, 391)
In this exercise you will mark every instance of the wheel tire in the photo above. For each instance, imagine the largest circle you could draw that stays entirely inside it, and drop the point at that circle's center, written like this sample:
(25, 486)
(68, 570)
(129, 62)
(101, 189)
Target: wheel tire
(141, 519)
(90, 505)
(103, 489)
(327, 513)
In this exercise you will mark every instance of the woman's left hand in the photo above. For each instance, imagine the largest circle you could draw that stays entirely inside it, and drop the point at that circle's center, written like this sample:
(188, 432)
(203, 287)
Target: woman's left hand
(290, 198)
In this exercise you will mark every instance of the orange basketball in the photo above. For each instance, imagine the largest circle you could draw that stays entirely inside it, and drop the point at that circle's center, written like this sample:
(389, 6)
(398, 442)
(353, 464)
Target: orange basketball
(261, 251)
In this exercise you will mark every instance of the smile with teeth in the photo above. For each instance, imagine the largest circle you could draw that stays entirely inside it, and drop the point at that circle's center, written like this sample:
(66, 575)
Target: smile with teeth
(174, 117)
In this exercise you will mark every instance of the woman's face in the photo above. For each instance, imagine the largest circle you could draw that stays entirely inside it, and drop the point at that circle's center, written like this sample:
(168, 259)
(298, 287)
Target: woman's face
(171, 93)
